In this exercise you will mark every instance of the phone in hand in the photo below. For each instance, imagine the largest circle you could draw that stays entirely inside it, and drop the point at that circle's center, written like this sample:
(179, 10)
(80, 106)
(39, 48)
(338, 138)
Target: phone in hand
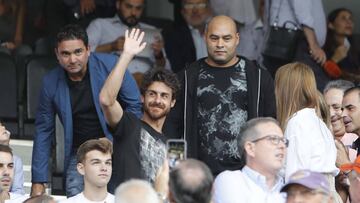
(176, 151)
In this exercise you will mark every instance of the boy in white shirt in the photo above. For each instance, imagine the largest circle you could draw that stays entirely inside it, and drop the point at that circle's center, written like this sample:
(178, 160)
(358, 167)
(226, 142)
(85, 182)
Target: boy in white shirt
(94, 163)
(7, 175)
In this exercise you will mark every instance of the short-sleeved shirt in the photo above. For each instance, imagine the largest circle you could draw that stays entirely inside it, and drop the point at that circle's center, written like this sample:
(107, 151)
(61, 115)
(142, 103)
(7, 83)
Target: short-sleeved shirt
(81, 198)
(139, 150)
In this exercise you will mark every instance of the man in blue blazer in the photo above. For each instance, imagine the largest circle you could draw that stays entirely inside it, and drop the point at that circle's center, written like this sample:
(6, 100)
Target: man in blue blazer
(71, 91)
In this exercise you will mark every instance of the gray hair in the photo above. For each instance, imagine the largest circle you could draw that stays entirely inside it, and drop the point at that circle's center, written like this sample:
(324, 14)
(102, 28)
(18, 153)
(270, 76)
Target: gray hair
(338, 84)
(135, 191)
(249, 132)
(191, 182)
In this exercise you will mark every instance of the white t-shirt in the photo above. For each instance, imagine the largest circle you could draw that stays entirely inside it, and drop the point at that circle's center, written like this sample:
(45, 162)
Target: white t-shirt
(14, 197)
(81, 198)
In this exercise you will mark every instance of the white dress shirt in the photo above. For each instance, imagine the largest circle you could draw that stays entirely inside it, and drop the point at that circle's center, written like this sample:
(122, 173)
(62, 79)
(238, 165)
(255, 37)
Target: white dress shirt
(246, 186)
(311, 144)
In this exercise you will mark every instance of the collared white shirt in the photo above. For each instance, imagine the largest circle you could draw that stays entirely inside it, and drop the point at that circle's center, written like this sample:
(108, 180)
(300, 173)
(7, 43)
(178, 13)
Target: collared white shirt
(311, 144)
(246, 186)
(199, 43)
(105, 30)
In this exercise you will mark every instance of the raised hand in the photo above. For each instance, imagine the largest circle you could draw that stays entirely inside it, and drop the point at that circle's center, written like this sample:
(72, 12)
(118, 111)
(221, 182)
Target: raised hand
(342, 156)
(133, 42)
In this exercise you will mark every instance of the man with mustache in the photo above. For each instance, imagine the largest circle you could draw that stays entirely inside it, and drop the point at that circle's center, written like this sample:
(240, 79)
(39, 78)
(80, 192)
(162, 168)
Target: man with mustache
(6, 176)
(220, 93)
(263, 146)
(139, 144)
(107, 35)
(95, 165)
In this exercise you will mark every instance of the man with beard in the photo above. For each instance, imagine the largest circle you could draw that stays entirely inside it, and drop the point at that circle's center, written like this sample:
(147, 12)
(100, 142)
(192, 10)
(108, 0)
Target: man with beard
(220, 93)
(139, 145)
(107, 35)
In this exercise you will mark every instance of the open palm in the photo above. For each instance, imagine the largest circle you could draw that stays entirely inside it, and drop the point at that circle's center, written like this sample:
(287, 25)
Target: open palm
(133, 41)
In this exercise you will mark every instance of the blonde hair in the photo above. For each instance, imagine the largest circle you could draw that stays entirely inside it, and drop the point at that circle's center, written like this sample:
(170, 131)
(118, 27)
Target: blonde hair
(323, 110)
(295, 89)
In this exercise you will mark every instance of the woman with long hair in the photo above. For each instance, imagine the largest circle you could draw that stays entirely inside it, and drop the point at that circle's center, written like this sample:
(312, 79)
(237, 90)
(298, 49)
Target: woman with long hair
(311, 144)
(340, 46)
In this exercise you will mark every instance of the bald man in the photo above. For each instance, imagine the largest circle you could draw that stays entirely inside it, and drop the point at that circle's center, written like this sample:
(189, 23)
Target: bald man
(220, 93)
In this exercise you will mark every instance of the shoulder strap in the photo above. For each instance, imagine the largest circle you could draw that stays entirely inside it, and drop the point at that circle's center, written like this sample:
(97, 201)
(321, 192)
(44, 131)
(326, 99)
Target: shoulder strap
(277, 14)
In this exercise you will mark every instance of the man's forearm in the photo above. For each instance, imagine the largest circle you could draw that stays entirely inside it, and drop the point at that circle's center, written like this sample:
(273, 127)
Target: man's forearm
(105, 48)
(310, 37)
(113, 83)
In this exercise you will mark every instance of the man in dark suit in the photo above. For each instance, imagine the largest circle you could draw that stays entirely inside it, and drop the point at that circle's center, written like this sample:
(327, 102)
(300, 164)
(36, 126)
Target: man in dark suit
(184, 42)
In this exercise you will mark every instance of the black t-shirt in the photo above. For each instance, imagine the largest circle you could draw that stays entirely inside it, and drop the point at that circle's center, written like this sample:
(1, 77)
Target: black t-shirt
(86, 124)
(222, 110)
(139, 150)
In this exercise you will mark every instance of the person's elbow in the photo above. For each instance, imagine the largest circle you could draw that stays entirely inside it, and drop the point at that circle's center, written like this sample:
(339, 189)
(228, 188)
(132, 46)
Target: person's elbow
(105, 100)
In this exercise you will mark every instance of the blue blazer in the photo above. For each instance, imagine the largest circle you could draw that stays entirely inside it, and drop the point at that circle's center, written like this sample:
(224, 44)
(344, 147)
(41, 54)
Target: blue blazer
(55, 99)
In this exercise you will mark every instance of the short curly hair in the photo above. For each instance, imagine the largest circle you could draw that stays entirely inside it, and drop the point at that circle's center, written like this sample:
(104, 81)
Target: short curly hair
(160, 75)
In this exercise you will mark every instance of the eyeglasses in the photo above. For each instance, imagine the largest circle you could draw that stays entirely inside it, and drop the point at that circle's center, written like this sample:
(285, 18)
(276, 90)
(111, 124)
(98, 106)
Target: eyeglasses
(274, 139)
(193, 5)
